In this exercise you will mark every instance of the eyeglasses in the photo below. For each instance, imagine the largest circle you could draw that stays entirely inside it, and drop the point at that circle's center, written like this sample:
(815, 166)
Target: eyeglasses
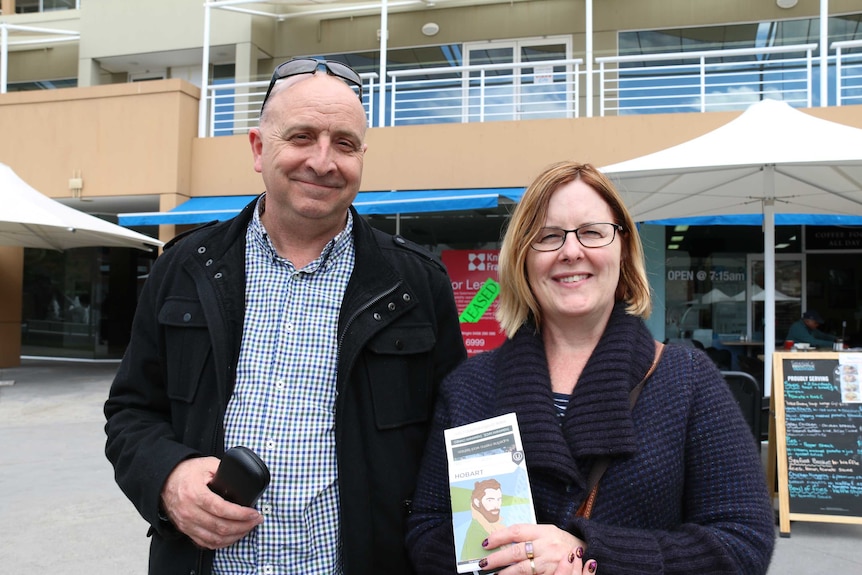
(299, 66)
(590, 236)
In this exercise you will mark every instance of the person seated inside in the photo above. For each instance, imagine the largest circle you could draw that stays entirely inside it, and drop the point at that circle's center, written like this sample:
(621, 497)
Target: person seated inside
(806, 330)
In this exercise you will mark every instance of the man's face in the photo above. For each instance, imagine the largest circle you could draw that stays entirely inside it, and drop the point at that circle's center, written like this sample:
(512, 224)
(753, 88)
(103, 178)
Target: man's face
(811, 323)
(489, 505)
(310, 149)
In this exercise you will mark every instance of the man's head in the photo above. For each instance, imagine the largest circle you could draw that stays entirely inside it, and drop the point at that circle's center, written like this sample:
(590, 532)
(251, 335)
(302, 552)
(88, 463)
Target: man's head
(487, 498)
(812, 319)
(310, 148)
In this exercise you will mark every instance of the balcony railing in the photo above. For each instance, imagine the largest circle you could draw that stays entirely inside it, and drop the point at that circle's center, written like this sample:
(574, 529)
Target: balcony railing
(848, 72)
(657, 83)
(704, 81)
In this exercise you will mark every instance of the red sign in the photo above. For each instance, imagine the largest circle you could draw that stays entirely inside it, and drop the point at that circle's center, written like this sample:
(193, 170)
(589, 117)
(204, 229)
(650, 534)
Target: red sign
(470, 271)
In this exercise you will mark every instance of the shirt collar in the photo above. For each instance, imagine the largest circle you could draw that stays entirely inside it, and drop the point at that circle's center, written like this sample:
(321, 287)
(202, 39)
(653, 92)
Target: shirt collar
(330, 253)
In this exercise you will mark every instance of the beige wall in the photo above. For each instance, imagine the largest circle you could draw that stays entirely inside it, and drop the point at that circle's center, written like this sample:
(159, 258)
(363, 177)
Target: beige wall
(139, 139)
(124, 139)
(495, 154)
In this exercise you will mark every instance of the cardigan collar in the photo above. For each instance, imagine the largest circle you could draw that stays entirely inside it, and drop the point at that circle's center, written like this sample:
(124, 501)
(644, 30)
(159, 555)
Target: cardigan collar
(598, 419)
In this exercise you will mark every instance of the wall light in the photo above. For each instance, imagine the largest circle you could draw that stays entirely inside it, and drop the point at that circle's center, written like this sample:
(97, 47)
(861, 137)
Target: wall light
(786, 3)
(430, 28)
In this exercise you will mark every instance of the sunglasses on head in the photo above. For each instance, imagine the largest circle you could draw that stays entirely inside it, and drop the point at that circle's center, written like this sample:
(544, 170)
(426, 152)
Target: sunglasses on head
(299, 66)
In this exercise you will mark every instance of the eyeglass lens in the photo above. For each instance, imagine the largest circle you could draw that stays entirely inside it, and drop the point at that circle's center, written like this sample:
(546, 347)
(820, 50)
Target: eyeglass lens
(590, 236)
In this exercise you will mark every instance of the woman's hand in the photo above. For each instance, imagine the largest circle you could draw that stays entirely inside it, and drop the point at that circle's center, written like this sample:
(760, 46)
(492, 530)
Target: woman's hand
(536, 549)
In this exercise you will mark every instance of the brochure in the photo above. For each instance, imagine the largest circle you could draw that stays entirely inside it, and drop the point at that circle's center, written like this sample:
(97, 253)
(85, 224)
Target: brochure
(488, 483)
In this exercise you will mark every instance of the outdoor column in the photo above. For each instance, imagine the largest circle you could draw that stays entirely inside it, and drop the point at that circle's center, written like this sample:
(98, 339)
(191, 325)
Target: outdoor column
(11, 295)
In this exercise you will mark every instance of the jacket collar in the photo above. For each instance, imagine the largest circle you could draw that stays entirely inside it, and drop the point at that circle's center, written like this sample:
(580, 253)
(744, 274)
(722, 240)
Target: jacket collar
(598, 420)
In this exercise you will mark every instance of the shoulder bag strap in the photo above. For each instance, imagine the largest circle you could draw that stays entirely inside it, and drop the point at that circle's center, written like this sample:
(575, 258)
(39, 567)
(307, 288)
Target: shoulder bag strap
(602, 464)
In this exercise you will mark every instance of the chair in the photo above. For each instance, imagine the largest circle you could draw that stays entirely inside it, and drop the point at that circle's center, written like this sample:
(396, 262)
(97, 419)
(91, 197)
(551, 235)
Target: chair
(749, 397)
(722, 358)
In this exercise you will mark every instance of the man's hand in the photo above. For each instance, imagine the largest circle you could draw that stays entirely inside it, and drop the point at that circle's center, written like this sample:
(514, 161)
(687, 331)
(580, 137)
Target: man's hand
(209, 520)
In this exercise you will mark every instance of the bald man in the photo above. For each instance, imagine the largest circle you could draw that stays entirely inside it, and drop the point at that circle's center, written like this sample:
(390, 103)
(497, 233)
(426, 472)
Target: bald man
(298, 331)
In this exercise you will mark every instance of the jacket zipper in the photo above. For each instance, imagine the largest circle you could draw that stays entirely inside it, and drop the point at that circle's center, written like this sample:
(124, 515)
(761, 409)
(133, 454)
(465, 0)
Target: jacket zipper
(362, 309)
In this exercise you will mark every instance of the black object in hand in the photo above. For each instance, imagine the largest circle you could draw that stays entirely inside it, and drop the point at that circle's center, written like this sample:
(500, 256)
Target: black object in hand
(241, 476)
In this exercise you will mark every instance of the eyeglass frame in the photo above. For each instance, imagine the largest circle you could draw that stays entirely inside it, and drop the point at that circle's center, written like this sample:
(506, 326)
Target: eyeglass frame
(617, 228)
(328, 66)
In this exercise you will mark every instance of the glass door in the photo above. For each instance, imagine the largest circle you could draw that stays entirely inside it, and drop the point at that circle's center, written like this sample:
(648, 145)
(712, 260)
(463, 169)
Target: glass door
(789, 294)
(505, 88)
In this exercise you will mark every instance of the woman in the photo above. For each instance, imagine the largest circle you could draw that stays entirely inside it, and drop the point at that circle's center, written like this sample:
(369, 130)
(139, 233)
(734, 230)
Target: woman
(684, 490)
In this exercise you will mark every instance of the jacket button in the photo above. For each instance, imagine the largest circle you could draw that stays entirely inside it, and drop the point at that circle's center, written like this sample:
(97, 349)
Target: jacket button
(376, 316)
(202, 250)
(187, 317)
(391, 306)
(217, 276)
(406, 297)
(399, 344)
(209, 262)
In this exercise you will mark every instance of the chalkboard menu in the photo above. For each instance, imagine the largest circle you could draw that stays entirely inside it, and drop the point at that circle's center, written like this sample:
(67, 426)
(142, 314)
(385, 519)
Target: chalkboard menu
(818, 410)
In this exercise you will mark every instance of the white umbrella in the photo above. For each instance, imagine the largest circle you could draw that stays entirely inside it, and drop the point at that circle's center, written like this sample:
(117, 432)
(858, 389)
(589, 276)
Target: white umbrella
(772, 158)
(714, 295)
(32, 220)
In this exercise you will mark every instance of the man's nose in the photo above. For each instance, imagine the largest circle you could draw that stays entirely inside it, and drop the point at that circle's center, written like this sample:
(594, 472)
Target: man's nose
(321, 156)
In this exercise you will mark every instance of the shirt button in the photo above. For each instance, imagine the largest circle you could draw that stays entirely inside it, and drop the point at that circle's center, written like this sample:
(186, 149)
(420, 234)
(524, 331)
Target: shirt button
(268, 570)
(279, 384)
(270, 444)
(288, 327)
(266, 508)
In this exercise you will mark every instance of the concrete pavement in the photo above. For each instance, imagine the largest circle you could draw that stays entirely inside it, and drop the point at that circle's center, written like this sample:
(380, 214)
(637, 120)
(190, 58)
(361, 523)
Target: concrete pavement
(62, 512)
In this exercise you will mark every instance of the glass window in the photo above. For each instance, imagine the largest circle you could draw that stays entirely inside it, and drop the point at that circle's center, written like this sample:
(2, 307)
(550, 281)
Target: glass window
(29, 6)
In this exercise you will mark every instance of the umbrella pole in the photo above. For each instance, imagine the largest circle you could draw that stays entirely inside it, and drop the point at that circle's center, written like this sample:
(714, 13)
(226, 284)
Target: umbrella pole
(769, 276)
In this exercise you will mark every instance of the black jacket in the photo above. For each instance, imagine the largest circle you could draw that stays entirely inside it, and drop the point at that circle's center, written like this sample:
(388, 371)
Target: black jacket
(398, 336)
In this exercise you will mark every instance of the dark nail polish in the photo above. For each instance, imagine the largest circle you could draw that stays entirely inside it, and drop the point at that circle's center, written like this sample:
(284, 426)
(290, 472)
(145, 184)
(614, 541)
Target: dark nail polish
(485, 543)
(591, 566)
(579, 552)
(483, 563)
(572, 557)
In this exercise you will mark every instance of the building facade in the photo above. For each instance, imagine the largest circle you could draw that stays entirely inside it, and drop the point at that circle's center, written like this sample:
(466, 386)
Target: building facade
(125, 108)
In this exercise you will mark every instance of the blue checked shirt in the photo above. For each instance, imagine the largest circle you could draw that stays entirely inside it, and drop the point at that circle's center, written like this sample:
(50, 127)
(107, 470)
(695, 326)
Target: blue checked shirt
(283, 406)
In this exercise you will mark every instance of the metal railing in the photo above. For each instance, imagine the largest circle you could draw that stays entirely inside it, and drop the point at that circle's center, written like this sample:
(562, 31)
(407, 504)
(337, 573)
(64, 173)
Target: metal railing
(234, 108)
(483, 93)
(700, 81)
(848, 72)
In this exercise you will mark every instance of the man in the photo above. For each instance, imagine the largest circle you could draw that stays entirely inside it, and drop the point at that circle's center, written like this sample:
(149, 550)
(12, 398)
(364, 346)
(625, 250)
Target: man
(806, 330)
(486, 501)
(298, 331)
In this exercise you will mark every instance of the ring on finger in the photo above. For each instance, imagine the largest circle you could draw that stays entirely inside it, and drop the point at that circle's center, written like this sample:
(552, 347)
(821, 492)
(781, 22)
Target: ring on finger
(528, 549)
(532, 566)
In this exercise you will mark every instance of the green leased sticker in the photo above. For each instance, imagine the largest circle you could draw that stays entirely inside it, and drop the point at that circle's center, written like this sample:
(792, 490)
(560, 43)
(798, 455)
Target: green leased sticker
(480, 302)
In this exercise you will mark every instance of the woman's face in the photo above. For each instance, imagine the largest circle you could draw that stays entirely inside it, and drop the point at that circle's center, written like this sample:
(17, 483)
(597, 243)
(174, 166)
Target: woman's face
(574, 281)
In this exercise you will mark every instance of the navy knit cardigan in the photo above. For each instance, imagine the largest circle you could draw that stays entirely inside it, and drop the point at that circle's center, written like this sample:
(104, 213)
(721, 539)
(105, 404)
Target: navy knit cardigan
(685, 492)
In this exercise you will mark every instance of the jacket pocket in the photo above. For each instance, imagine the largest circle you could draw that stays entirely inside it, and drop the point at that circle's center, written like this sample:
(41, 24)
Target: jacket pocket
(401, 374)
(187, 346)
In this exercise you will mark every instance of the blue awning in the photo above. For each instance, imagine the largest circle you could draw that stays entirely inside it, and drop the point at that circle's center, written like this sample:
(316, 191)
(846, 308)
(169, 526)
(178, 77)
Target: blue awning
(757, 220)
(206, 209)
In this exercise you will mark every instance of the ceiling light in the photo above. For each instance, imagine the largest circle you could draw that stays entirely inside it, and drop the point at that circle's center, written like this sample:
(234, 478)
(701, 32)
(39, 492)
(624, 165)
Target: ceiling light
(430, 28)
(786, 3)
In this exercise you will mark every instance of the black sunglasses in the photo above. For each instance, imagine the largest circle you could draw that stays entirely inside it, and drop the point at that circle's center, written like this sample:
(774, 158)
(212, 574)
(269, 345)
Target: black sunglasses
(310, 66)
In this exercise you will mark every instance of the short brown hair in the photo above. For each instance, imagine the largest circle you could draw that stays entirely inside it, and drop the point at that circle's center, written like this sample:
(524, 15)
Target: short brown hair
(517, 303)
